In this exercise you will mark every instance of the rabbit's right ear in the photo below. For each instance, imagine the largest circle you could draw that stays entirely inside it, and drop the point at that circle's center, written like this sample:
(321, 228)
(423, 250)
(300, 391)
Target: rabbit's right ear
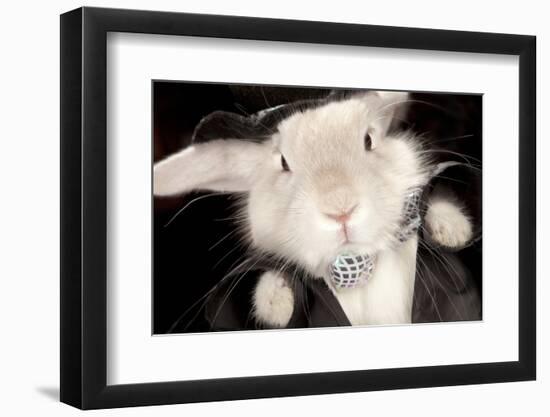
(222, 165)
(392, 106)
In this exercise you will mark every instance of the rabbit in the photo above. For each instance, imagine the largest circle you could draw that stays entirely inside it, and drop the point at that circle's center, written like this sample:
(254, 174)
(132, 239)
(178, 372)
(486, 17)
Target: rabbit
(329, 179)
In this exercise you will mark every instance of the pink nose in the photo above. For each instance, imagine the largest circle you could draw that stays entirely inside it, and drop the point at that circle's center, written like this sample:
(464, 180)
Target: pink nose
(343, 216)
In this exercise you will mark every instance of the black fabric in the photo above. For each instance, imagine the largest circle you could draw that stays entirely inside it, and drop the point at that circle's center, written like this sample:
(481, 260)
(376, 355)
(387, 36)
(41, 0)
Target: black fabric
(230, 308)
(444, 289)
(261, 125)
(444, 292)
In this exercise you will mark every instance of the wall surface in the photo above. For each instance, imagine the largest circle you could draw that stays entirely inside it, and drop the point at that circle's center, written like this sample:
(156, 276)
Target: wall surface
(29, 225)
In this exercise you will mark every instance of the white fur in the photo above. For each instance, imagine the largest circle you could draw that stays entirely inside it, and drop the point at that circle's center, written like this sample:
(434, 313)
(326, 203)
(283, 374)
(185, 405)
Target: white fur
(330, 172)
(273, 300)
(447, 223)
(222, 165)
(387, 296)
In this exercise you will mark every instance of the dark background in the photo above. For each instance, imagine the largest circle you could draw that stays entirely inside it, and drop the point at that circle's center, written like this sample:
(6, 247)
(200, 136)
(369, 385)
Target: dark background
(188, 260)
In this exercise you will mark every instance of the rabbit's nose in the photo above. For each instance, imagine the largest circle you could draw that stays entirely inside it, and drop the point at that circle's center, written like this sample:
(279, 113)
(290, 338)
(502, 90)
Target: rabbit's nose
(342, 216)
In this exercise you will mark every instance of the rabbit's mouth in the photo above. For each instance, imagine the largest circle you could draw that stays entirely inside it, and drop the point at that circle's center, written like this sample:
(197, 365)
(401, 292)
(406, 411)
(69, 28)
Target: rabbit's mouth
(353, 265)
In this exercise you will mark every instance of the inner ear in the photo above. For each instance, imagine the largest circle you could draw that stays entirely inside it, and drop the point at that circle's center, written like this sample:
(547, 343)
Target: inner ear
(226, 165)
(389, 109)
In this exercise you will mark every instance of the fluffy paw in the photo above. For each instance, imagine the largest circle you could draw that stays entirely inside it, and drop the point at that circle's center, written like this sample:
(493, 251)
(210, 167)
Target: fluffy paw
(273, 300)
(447, 224)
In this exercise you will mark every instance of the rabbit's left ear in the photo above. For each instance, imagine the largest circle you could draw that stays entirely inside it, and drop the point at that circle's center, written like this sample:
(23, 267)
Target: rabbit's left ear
(221, 165)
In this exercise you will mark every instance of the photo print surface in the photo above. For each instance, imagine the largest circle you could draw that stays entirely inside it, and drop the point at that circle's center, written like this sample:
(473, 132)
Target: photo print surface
(299, 207)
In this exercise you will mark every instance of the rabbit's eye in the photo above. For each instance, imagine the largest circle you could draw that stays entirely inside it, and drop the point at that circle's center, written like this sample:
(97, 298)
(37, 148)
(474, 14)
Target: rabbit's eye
(284, 164)
(368, 142)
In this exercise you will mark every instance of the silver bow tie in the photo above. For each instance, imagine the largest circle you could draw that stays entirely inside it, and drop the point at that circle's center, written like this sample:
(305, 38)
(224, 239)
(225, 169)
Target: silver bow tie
(350, 270)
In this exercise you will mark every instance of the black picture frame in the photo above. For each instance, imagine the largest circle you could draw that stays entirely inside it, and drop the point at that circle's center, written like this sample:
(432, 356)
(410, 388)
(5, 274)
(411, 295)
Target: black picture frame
(84, 207)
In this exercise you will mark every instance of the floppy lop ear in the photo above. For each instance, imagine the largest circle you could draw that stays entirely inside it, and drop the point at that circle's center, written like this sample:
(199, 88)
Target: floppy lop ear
(222, 165)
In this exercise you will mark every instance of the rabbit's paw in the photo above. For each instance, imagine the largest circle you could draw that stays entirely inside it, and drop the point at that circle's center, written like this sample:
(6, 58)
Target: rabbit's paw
(273, 300)
(447, 224)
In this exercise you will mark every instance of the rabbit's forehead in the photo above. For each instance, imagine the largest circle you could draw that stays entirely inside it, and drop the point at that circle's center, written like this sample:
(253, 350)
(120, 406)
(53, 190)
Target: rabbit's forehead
(323, 131)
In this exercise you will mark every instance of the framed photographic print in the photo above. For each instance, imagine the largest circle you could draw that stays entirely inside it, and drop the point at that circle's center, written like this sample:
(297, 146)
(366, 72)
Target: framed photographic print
(258, 207)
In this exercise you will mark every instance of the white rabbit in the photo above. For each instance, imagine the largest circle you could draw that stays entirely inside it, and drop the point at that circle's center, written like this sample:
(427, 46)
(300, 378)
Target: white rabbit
(331, 179)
